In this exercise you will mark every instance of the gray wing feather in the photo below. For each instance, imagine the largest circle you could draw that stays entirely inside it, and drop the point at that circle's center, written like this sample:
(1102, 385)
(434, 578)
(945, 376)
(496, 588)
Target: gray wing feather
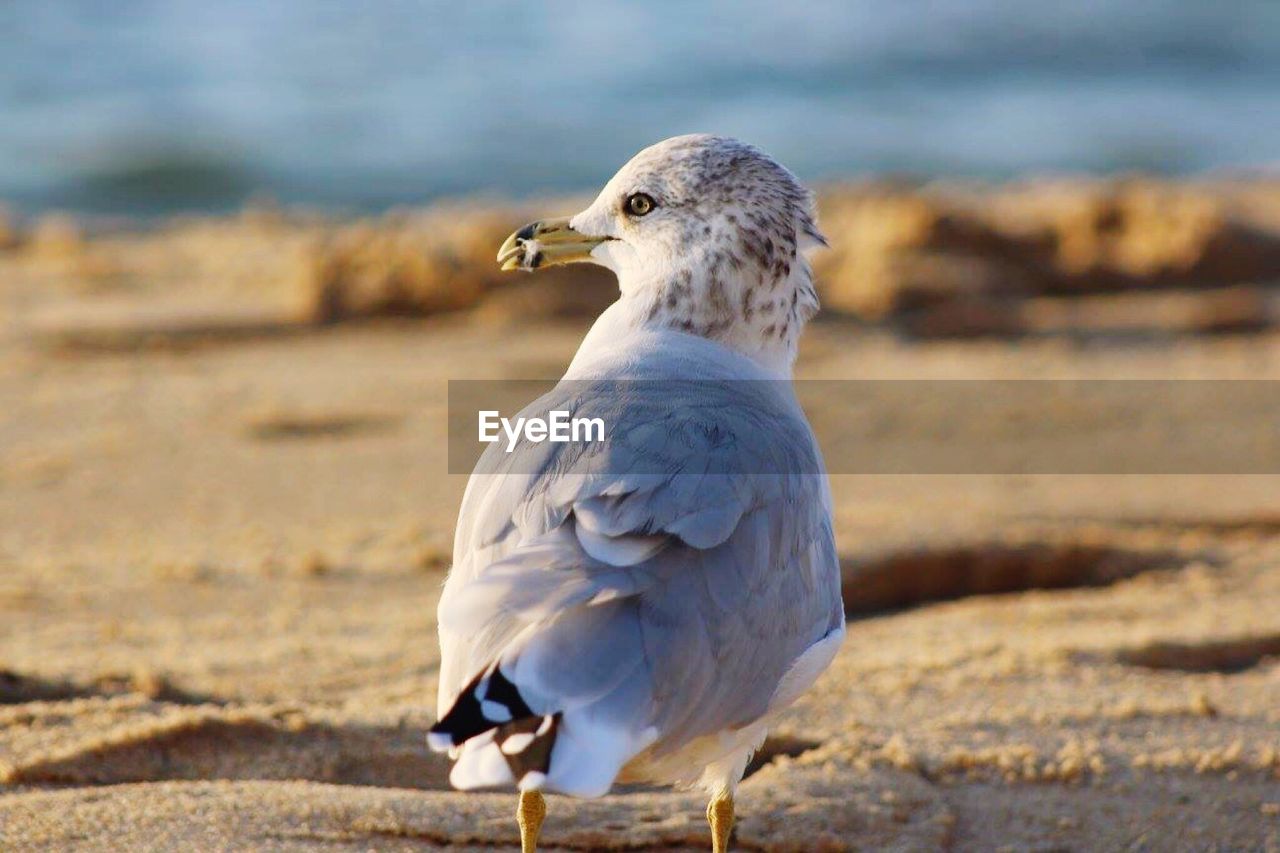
(693, 638)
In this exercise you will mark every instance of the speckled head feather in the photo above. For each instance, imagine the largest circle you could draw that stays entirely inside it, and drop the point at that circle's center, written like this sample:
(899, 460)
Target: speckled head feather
(719, 251)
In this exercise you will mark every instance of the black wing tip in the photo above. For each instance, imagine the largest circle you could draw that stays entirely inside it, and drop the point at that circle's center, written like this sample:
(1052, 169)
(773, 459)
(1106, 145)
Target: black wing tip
(489, 701)
(524, 739)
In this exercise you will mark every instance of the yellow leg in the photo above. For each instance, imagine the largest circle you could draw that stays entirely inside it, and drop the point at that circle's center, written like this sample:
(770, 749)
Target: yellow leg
(720, 816)
(529, 814)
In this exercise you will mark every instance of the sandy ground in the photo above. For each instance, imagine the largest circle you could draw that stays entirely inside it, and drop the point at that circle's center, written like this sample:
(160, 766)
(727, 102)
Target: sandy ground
(220, 560)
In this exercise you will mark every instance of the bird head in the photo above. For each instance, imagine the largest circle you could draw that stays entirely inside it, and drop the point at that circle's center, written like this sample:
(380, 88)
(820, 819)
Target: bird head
(706, 235)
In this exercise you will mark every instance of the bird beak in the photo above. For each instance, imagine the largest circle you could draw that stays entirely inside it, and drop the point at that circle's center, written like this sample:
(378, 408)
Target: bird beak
(546, 243)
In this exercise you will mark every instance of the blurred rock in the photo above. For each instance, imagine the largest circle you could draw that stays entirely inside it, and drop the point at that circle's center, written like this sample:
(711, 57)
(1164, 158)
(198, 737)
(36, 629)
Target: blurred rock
(428, 264)
(895, 249)
(962, 261)
(1141, 233)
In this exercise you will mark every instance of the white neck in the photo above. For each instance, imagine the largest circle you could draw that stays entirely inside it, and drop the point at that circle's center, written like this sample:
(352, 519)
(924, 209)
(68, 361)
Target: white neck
(624, 318)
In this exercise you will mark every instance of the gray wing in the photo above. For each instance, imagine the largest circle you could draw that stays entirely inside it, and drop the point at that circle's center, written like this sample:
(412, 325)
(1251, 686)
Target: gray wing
(680, 567)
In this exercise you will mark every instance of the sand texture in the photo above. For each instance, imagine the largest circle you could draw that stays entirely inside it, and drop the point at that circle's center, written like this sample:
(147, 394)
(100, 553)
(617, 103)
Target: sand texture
(225, 520)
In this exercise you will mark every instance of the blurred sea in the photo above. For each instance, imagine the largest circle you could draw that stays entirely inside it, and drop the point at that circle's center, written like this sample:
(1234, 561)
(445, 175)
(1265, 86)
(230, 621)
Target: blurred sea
(148, 106)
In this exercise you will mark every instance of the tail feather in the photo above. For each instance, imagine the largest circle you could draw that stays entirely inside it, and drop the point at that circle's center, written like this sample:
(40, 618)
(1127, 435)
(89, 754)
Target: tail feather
(495, 726)
(550, 713)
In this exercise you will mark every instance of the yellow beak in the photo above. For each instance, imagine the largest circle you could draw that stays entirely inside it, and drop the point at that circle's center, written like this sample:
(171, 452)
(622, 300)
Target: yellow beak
(546, 243)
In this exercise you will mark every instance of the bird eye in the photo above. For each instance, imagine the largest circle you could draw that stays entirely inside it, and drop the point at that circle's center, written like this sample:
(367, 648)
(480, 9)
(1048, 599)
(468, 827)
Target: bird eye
(638, 204)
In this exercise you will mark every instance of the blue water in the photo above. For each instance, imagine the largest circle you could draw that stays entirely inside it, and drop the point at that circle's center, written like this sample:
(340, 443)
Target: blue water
(155, 105)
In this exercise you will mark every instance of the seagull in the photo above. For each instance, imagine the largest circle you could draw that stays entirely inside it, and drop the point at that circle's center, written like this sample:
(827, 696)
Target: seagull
(641, 609)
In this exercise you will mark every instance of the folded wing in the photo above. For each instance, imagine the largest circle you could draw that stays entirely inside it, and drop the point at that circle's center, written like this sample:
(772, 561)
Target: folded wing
(637, 593)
